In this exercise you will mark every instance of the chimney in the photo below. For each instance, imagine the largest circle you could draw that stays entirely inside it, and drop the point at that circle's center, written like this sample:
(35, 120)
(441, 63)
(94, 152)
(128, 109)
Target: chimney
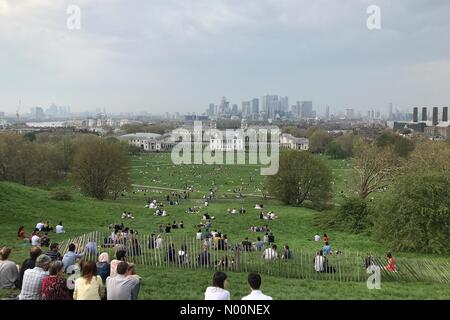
(415, 114)
(424, 114)
(435, 116)
(445, 114)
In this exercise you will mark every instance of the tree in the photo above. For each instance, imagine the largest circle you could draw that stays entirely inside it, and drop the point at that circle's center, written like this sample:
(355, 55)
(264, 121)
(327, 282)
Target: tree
(354, 214)
(401, 146)
(416, 214)
(429, 156)
(301, 176)
(334, 150)
(100, 168)
(375, 167)
(319, 141)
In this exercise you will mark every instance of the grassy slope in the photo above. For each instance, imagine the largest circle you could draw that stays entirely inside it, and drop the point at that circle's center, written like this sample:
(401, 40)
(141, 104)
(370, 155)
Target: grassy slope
(23, 205)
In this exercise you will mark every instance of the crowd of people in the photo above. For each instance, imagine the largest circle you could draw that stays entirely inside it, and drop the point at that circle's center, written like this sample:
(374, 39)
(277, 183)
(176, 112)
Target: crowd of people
(52, 276)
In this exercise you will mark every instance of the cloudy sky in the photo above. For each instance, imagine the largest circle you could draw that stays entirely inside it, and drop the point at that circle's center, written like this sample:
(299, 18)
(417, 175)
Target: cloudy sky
(180, 55)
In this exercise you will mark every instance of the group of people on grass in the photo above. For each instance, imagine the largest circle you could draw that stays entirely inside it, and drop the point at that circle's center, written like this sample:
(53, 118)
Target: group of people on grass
(39, 236)
(52, 276)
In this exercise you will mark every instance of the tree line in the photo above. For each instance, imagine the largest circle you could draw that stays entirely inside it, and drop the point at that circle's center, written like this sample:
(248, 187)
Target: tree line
(98, 167)
(398, 189)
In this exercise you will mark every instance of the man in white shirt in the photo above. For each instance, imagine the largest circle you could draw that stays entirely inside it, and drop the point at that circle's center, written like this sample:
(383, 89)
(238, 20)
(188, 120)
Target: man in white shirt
(270, 253)
(39, 225)
(36, 240)
(254, 280)
(59, 228)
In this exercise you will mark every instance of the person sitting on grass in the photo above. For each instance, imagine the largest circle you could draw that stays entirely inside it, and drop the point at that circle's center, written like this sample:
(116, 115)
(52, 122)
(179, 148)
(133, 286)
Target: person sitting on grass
(9, 271)
(59, 228)
(29, 263)
(125, 286)
(103, 266)
(254, 281)
(21, 233)
(326, 238)
(198, 235)
(391, 263)
(32, 279)
(217, 290)
(287, 254)
(174, 225)
(45, 240)
(326, 249)
(120, 256)
(180, 224)
(168, 227)
(124, 215)
(259, 245)
(271, 238)
(89, 286)
(270, 253)
(54, 252)
(54, 286)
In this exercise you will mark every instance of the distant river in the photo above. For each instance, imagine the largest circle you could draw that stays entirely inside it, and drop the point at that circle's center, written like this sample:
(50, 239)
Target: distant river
(55, 124)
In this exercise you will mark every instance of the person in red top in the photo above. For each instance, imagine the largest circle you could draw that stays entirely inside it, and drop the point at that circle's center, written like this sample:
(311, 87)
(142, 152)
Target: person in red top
(391, 263)
(326, 238)
(21, 233)
(54, 286)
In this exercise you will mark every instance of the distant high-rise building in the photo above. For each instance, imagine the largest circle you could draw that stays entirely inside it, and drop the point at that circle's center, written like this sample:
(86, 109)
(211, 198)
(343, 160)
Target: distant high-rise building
(255, 106)
(390, 111)
(415, 114)
(424, 114)
(224, 107)
(327, 112)
(246, 108)
(234, 110)
(305, 109)
(269, 105)
(211, 109)
(284, 104)
(435, 116)
(445, 114)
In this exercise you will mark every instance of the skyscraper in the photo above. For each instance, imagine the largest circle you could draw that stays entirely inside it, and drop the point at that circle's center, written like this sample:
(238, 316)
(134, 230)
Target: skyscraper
(211, 109)
(255, 106)
(305, 109)
(246, 108)
(327, 112)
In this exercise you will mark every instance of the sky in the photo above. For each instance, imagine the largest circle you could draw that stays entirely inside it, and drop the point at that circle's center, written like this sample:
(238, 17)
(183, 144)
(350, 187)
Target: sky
(181, 55)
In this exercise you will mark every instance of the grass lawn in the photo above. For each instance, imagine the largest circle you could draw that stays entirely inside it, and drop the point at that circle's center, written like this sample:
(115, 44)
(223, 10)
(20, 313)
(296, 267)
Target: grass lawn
(295, 226)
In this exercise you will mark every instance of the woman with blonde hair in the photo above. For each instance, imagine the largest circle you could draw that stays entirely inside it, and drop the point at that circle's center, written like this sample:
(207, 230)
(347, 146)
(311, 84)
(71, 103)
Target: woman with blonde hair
(89, 286)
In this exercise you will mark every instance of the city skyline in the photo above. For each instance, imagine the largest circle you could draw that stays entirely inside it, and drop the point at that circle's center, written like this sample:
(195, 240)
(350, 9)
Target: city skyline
(181, 60)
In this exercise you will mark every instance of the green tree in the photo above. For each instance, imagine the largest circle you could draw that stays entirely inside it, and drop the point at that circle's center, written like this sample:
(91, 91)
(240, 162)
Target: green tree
(354, 214)
(100, 168)
(318, 141)
(416, 214)
(301, 176)
(401, 146)
(334, 150)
